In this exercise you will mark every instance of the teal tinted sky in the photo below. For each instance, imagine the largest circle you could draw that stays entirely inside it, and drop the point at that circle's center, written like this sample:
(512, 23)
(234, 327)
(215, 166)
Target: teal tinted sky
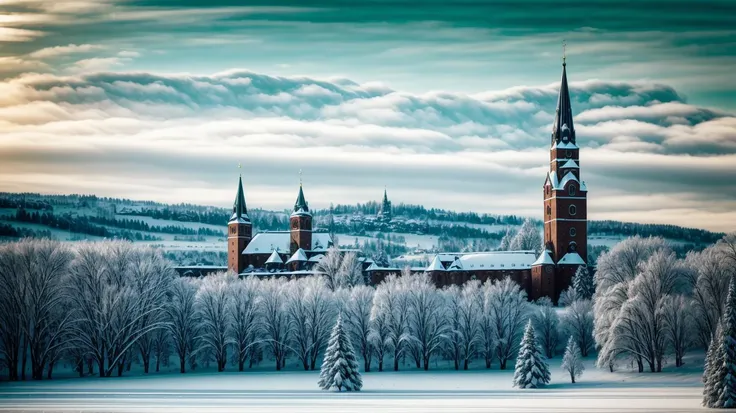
(416, 95)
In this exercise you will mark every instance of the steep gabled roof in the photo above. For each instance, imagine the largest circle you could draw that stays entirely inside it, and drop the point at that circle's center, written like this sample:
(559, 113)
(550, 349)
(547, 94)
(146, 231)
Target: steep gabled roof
(299, 256)
(436, 265)
(275, 258)
(300, 206)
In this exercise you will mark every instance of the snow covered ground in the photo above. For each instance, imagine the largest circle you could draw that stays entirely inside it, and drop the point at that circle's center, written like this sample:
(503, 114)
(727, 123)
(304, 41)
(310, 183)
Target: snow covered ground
(439, 390)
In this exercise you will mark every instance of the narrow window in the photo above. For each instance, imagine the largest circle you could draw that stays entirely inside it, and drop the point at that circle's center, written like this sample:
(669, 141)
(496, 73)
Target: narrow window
(573, 232)
(572, 190)
(573, 210)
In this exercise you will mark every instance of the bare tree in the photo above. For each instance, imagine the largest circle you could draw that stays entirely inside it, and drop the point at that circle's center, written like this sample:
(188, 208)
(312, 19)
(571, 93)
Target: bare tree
(528, 238)
(358, 319)
(351, 271)
(275, 317)
(391, 302)
(329, 266)
(577, 322)
(454, 347)
(310, 313)
(508, 309)
(212, 303)
(708, 279)
(427, 328)
(183, 319)
(547, 325)
(244, 317)
(678, 325)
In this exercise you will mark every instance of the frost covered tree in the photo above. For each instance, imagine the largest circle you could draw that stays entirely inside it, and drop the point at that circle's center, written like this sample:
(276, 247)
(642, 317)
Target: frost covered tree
(351, 271)
(213, 301)
(547, 325)
(183, 321)
(34, 316)
(506, 307)
(427, 326)
(309, 307)
(112, 305)
(613, 279)
(708, 279)
(391, 302)
(275, 317)
(678, 325)
(713, 369)
(531, 370)
(639, 327)
(583, 283)
(567, 296)
(380, 331)
(329, 266)
(508, 236)
(244, 317)
(572, 361)
(340, 367)
(358, 318)
(527, 239)
(453, 344)
(720, 365)
(577, 322)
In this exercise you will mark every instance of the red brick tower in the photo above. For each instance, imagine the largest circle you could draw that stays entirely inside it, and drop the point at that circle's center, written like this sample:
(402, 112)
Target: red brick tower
(240, 232)
(565, 206)
(300, 223)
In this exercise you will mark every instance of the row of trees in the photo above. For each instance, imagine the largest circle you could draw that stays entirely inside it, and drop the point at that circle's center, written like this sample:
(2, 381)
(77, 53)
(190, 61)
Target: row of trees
(104, 305)
(650, 305)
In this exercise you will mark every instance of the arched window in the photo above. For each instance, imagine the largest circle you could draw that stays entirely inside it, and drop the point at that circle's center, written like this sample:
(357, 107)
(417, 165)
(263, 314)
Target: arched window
(546, 189)
(573, 210)
(549, 210)
(572, 190)
(572, 246)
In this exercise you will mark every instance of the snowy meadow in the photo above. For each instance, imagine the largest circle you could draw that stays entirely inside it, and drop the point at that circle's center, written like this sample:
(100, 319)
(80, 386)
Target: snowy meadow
(637, 330)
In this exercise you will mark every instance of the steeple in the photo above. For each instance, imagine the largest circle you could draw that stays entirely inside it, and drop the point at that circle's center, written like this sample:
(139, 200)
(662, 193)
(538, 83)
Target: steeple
(385, 196)
(562, 128)
(301, 204)
(239, 209)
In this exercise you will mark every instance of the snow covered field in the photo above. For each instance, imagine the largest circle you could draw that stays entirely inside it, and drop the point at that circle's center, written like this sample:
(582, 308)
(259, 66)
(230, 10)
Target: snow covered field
(440, 390)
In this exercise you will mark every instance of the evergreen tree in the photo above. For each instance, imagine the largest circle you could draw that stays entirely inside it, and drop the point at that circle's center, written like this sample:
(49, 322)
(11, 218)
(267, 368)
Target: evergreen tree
(713, 360)
(572, 361)
(532, 370)
(340, 366)
(727, 386)
(583, 283)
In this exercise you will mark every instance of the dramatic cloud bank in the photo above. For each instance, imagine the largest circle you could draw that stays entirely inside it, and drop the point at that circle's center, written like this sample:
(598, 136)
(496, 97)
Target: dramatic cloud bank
(647, 155)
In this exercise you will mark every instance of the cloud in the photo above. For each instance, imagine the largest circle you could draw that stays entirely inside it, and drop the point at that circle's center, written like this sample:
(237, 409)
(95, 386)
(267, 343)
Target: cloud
(56, 51)
(146, 132)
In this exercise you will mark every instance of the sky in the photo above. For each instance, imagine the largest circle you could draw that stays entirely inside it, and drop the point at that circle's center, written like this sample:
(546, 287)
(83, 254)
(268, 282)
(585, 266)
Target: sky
(446, 104)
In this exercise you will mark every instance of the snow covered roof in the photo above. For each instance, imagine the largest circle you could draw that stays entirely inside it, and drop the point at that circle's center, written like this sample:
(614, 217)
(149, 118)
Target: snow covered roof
(436, 264)
(275, 258)
(583, 187)
(316, 258)
(565, 145)
(568, 177)
(570, 164)
(572, 258)
(552, 176)
(265, 242)
(242, 220)
(299, 256)
(372, 267)
(300, 211)
(456, 265)
(544, 258)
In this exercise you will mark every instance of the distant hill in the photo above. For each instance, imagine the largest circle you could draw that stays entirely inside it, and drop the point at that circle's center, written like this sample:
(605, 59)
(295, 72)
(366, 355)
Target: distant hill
(195, 233)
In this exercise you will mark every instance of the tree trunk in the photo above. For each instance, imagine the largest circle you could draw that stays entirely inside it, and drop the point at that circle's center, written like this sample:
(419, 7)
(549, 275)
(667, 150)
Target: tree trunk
(101, 366)
(241, 363)
(488, 363)
(121, 368)
(50, 370)
(457, 364)
(503, 364)
(158, 363)
(278, 363)
(182, 364)
(572, 377)
(426, 363)
(80, 367)
(465, 364)
(90, 366)
(23, 362)
(146, 361)
(640, 364)
(367, 365)
(659, 364)
(396, 364)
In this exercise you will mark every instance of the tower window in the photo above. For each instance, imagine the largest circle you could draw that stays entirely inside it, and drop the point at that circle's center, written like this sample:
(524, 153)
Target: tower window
(573, 210)
(568, 154)
(549, 210)
(572, 190)
(572, 246)
(573, 232)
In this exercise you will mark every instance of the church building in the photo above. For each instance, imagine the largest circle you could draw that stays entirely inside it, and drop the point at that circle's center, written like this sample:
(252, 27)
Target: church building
(565, 224)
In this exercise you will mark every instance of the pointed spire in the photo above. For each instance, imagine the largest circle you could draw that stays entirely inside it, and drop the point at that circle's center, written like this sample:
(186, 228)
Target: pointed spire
(385, 196)
(301, 203)
(563, 129)
(240, 211)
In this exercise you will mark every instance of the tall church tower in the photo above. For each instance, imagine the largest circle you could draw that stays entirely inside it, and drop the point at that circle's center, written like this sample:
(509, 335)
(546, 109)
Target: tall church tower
(240, 232)
(565, 206)
(300, 223)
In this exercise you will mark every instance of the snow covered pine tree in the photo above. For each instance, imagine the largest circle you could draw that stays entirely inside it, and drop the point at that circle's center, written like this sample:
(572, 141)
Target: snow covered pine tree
(340, 367)
(572, 361)
(583, 283)
(720, 366)
(532, 370)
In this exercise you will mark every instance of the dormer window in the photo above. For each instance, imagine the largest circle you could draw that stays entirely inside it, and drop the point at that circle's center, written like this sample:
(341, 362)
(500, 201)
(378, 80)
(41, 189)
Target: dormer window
(572, 190)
